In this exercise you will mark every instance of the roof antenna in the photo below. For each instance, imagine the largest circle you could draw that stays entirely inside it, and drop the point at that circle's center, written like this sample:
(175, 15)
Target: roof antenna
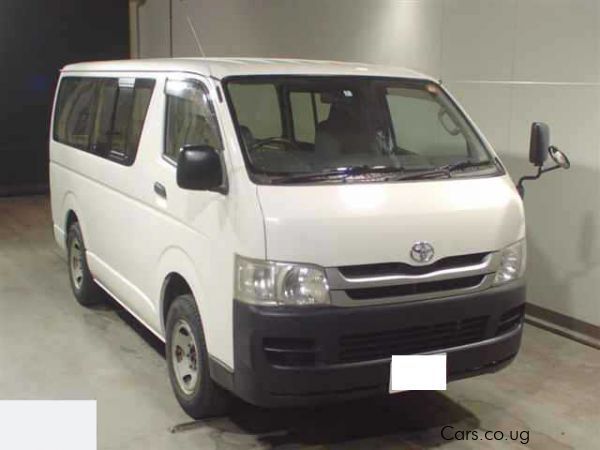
(193, 29)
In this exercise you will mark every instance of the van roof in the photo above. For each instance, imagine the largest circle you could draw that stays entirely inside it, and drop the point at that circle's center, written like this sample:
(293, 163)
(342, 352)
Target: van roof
(223, 67)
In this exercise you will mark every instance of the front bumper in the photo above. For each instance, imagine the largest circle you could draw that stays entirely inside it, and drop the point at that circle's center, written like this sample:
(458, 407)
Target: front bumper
(299, 356)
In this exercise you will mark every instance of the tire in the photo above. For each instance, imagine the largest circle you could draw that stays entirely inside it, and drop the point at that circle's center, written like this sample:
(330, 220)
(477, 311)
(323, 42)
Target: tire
(187, 360)
(85, 289)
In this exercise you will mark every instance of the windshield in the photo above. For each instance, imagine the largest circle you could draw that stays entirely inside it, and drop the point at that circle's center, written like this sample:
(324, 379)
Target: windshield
(300, 127)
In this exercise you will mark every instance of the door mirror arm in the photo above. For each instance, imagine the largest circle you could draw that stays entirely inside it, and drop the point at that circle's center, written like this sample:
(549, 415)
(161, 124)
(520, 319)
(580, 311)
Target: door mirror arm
(539, 150)
(561, 162)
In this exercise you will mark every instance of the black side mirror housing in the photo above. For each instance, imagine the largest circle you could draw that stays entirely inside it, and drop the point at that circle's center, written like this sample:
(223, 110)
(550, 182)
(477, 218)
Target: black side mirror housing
(199, 168)
(539, 143)
(539, 150)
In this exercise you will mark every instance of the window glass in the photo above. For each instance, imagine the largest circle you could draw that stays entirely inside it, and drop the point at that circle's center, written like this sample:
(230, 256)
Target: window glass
(257, 108)
(75, 111)
(421, 124)
(103, 115)
(122, 117)
(374, 125)
(305, 105)
(107, 99)
(303, 116)
(322, 109)
(141, 101)
(190, 118)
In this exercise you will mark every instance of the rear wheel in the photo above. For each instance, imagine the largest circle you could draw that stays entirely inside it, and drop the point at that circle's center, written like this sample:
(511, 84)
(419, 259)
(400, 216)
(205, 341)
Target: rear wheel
(187, 359)
(85, 289)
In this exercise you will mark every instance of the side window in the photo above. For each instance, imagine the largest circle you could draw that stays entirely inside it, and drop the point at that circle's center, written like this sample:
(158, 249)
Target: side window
(122, 107)
(75, 110)
(308, 110)
(257, 109)
(101, 132)
(303, 116)
(190, 117)
(122, 115)
(419, 125)
(141, 100)
(103, 115)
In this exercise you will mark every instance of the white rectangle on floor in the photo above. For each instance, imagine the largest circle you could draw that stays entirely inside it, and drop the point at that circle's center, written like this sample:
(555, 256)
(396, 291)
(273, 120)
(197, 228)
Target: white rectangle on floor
(418, 373)
(48, 424)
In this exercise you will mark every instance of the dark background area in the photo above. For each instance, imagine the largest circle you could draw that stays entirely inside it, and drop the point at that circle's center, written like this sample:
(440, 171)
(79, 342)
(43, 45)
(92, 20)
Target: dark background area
(37, 38)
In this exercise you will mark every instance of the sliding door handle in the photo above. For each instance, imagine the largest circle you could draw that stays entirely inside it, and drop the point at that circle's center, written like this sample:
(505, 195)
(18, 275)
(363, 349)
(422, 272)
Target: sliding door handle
(160, 190)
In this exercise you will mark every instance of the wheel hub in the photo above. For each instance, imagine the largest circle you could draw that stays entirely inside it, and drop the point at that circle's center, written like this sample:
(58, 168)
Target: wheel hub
(76, 263)
(184, 356)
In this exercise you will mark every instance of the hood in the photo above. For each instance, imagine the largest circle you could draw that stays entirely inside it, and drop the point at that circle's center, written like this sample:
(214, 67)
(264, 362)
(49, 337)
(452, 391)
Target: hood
(362, 223)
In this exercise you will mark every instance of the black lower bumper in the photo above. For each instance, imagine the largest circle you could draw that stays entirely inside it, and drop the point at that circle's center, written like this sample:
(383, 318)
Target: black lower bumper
(294, 356)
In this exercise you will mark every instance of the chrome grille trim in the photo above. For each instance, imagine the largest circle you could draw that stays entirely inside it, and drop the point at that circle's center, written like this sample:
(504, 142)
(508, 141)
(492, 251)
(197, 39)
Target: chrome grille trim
(338, 283)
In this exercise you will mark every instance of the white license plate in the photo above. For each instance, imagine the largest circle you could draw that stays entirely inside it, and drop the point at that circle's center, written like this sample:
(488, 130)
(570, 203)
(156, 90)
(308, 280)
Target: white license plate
(418, 373)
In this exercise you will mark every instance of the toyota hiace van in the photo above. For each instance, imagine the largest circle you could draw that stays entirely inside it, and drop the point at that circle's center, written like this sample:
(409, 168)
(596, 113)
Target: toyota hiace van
(286, 226)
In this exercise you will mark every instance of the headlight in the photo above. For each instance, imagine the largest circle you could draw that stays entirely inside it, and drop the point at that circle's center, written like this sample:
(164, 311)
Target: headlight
(513, 262)
(275, 283)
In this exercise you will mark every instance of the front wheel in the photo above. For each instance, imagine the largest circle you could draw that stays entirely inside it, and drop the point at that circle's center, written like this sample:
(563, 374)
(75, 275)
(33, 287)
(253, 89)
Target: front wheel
(187, 360)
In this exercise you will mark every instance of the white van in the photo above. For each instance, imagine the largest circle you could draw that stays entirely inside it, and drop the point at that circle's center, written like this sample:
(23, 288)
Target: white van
(285, 226)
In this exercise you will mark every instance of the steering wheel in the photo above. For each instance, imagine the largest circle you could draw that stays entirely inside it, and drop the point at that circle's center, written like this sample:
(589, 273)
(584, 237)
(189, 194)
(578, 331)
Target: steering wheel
(274, 140)
(280, 143)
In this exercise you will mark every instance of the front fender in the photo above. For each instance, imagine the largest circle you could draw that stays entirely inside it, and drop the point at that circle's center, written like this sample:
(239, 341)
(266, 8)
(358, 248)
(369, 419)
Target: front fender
(176, 260)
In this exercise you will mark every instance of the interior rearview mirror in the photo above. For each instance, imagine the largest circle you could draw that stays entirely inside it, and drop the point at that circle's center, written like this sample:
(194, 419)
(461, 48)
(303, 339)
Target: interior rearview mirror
(448, 122)
(199, 168)
(539, 149)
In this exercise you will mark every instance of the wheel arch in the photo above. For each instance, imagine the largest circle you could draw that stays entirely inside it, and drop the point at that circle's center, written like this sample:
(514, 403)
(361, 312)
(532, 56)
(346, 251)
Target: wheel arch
(173, 286)
(178, 276)
(71, 214)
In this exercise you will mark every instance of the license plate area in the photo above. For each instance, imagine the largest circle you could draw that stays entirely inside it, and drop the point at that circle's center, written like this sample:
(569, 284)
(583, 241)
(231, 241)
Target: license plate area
(418, 373)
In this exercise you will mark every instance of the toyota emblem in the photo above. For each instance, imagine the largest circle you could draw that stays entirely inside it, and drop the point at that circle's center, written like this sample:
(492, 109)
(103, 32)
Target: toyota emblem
(421, 252)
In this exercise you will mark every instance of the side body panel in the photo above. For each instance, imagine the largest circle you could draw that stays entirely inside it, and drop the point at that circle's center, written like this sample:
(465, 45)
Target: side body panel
(135, 238)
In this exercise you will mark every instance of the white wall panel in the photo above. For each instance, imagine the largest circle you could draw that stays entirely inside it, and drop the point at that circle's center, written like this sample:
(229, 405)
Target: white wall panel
(478, 39)
(154, 29)
(556, 40)
(383, 31)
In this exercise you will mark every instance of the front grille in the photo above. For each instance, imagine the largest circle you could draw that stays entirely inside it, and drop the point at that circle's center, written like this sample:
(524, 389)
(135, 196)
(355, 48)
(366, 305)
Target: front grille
(290, 352)
(411, 340)
(386, 269)
(510, 319)
(413, 289)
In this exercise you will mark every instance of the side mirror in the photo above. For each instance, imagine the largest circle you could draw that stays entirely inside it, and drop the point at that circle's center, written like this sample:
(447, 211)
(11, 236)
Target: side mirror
(539, 149)
(199, 168)
(539, 142)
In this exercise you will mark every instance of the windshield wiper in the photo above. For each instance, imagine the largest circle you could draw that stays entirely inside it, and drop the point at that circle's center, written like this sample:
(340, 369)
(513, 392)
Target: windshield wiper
(342, 173)
(396, 173)
(460, 165)
(446, 170)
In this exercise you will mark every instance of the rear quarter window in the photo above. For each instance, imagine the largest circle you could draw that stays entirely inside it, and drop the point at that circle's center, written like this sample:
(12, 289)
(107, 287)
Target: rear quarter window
(103, 116)
(75, 111)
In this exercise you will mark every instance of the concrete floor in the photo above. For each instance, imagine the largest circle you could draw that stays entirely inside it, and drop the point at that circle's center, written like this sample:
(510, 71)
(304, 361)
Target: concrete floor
(51, 348)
